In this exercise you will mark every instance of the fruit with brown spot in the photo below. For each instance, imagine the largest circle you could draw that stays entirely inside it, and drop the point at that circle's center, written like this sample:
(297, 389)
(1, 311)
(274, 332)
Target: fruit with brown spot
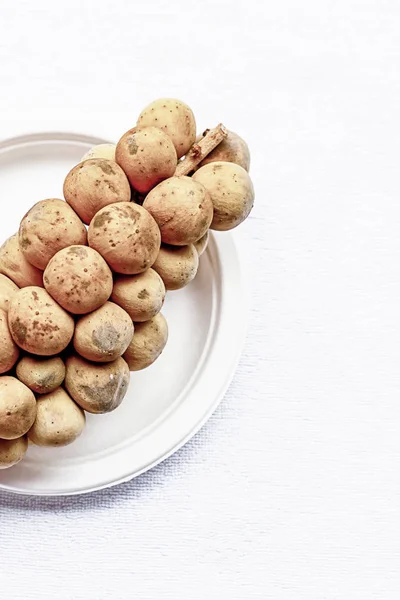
(177, 265)
(182, 208)
(104, 334)
(174, 118)
(231, 192)
(17, 408)
(59, 421)
(94, 184)
(47, 227)
(97, 387)
(41, 375)
(126, 236)
(12, 451)
(147, 344)
(9, 351)
(147, 156)
(14, 264)
(7, 291)
(38, 324)
(79, 279)
(142, 296)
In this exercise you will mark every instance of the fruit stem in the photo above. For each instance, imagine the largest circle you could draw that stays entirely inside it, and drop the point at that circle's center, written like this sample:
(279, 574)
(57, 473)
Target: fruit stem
(200, 149)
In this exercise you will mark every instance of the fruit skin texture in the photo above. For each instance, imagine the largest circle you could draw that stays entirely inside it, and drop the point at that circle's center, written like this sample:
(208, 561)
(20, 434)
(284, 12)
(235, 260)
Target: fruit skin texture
(38, 324)
(182, 208)
(7, 291)
(177, 265)
(147, 344)
(93, 184)
(79, 279)
(126, 236)
(141, 296)
(12, 451)
(9, 351)
(14, 264)
(17, 408)
(175, 118)
(231, 191)
(100, 151)
(97, 387)
(46, 228)
(104, 334)
(41, 375)
(147, 156)
(202, 243)
(232, 149)
(59, 421)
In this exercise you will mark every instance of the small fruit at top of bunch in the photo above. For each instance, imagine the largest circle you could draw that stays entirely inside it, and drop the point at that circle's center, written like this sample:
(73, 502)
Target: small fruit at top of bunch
(174, 118)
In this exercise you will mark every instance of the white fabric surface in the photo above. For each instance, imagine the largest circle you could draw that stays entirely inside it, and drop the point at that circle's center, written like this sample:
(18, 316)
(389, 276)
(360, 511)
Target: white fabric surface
(291, 491)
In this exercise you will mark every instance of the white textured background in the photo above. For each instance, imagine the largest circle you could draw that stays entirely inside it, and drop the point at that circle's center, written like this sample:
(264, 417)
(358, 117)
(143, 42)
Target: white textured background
(292, 490)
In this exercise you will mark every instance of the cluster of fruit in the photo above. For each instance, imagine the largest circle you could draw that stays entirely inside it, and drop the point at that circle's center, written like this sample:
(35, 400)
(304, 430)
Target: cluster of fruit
(84, 279)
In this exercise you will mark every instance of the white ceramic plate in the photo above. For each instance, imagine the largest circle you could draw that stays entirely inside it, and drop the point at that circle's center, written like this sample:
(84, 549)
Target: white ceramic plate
(167, 403)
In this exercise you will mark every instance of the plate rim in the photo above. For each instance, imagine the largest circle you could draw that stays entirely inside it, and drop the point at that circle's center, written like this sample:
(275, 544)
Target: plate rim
(223, 249)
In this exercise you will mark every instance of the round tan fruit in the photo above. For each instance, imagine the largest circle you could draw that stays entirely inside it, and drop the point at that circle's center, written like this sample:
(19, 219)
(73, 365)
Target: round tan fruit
(38, 324)
(147, 156)
(126, 236)
(12, 451)
(59, 421)
(46, 228)
(141, 296)
(177, 265)
(182, 208)
(147, 344)
(17, 408)
(93, 184)
(104, 334)
(41, 375)
(9, 351)
(97, 387)
(175, 118)
(231, 191)
(14, 264)
(7, 291)
(79, 279)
